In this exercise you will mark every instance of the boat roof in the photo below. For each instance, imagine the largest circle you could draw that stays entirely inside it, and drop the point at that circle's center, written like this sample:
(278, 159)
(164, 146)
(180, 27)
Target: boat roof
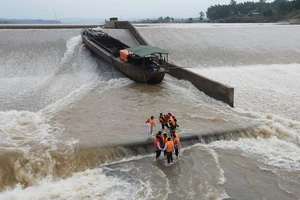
(144, 50)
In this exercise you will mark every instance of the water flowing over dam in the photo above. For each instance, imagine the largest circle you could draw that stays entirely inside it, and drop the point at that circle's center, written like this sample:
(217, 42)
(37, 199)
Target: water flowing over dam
(73, 127)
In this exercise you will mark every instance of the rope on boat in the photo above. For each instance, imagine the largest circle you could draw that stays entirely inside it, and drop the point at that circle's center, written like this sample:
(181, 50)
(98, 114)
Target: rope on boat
(148, 92)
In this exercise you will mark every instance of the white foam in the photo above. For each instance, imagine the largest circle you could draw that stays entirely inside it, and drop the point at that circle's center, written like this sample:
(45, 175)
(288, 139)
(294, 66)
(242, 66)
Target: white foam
(69, 99)
(71, 48)
(271, 151)
(27, 141)
(90, 184)
(270, 89)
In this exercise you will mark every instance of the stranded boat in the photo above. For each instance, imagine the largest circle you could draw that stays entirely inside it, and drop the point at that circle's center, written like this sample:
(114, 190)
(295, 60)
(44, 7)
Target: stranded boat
(143, 64)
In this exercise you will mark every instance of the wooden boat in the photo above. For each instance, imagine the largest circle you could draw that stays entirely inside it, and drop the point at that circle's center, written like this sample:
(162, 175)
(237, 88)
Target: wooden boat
(142, 63)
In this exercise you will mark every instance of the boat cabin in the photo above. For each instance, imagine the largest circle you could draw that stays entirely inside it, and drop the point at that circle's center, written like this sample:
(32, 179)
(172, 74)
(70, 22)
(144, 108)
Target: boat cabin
(148, 57)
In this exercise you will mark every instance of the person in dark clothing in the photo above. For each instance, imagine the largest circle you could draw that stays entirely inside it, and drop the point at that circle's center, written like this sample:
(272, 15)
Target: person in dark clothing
(175, 120)
(163, 121)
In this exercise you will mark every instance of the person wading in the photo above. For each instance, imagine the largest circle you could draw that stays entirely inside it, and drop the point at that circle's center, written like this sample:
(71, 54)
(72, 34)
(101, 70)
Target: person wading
(176, 142)
(163, 121)
(158, 141)
(151, 121)
(169, 150)
(165, 140)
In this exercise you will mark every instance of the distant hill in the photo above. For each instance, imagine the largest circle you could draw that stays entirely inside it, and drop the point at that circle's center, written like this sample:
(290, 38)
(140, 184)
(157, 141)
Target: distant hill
(28, 21)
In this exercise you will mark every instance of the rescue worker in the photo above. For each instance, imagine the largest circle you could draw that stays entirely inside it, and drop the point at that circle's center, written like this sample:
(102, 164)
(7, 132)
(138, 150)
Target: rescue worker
(171, 123)
(158, 141)
(169, 150)
(165, 140)
(173, 132)
(151, 121)
(175, 120)
(176, 142)
(163, 121)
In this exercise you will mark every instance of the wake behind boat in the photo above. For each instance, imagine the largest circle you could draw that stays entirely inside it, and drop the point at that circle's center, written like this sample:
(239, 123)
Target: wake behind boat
(142, 63)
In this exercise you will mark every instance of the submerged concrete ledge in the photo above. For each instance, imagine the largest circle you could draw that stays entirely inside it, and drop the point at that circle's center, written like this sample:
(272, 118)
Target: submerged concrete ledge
(192, 138)
(48, 26)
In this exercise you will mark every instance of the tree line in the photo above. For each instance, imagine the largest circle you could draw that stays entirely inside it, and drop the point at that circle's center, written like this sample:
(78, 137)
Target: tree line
(260, 9)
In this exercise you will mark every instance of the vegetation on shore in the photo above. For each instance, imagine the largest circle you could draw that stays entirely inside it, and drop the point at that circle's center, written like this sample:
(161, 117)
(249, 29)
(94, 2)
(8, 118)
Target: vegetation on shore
(247, 12)
(253, 12)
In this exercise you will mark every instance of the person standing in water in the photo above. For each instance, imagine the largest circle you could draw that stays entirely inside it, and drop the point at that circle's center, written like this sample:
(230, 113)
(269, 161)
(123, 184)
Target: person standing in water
(176, 142)
(163, 121)
(165, 140)
(151, 121)
(169, 150)
(158, 141)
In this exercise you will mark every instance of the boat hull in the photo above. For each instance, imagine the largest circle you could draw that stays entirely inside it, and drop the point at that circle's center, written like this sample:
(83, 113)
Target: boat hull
(136, 74)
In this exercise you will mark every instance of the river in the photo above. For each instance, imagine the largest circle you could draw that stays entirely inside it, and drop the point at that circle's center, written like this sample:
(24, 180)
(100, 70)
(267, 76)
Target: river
(66, 116)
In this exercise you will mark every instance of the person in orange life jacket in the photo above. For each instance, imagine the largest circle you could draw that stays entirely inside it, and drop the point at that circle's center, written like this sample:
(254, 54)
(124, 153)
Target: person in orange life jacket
(161, 139)
(165, 140)
(171, 123)
(173, 132)
(169, 149)
(176, 142)
(163, 121)
(158, 142)
(151, 121)
(175, 120)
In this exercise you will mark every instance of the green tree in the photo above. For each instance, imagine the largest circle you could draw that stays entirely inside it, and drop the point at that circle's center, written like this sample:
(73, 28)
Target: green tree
(296, 4)
(201, 15)
(232, 2)
(268, 12)
(218, 12)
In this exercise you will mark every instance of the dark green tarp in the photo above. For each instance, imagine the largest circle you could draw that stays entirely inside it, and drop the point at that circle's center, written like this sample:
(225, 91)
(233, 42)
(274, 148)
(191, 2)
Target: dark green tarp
(143, 50)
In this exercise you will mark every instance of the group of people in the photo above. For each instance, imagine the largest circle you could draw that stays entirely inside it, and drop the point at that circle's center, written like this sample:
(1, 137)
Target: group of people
(165, 142)
(168, 144)
(169, 121)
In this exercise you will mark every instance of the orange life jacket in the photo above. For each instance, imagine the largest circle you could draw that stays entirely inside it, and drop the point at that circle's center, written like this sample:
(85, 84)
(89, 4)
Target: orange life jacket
(172, 122)
(160, 140)
(162, 119)
(176, 143)
(155, 144)
(165, 139)
(170, 146)
(151, 121)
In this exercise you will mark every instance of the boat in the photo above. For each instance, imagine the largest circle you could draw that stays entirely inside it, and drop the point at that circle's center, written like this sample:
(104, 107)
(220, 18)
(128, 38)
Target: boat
(141, 63)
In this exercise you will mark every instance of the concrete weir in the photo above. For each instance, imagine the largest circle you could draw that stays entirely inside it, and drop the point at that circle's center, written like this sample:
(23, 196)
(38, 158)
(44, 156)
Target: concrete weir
(48, 26)
(210, 87)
